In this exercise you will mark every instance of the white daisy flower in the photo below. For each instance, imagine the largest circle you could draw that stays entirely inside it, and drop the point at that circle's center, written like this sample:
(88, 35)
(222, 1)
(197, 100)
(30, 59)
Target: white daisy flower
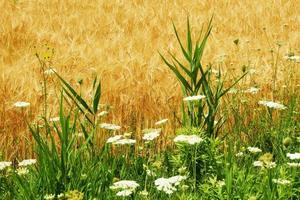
(21, 104)
(189, 139)
(254, 150)
(28, 162)
(273, 105)
(194, 98)
(293, 156)
(110, 126)
(161, 122)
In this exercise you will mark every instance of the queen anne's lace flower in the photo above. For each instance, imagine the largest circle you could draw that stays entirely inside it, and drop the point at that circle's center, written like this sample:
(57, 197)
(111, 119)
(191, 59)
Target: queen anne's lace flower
(114, 138)
(273, 105)
(124, 187)
(112, 127)
(21, 104)
(168, 185)
(151, 134)
(4, 164)
(189, 139)
(125, 141)
(293, 164)
(252, 90)
(293, 156)
(254, 150)
(25, 163)
(281, 181)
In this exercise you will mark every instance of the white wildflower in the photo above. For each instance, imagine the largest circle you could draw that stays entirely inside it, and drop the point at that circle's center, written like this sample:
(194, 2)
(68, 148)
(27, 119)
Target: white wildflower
(151, 134)
(25, 163)
(272, 104)
(194, 98)
(258, 164)
(21, 104)
(114, 138)
(281, 181)
(124, 185)
(110, 126)
(254, 150)
(270, 165)
(168, 185)
(124, 193)
(161, 122)
(189, 139)
(125, 141)
(293, 156)
(4, 164)
(293, 164)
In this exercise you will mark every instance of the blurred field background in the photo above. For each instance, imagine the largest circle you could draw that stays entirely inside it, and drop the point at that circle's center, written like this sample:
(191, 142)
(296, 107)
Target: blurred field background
(119, 41)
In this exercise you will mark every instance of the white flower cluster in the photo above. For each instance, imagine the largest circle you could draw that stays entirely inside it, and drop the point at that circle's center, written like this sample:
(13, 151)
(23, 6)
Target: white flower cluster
(151, 134)
(103, 113)
(293, 156)
(124, 187)
(268, 165)
(272, 104)
(189, 139)
(28, 162)
(168, 185)
(293, 165)
(194, 98)
(4, 164)
(281, 181)
(119, 139)
(254, 150)
(21, 104)
(111, 127)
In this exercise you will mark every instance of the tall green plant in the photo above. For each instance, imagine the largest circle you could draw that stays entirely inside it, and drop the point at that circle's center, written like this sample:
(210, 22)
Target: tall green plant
(195, 79)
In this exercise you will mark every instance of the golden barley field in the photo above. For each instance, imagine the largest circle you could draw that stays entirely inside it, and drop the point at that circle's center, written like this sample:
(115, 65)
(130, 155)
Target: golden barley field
(119, 40)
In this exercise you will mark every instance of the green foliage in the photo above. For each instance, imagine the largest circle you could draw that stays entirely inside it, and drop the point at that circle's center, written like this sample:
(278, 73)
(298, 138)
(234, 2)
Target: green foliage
(197, 80)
